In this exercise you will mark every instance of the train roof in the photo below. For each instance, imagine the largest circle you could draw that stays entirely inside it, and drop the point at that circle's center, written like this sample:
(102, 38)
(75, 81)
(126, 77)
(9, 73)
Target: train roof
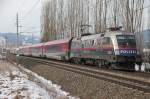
(28, 46)
(118, 33)
(106, 34)
(91, 36)
(37, 45)
(58, 41)
(110, 33)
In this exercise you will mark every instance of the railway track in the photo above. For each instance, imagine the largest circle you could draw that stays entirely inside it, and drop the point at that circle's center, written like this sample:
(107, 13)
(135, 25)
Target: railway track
(135, 82)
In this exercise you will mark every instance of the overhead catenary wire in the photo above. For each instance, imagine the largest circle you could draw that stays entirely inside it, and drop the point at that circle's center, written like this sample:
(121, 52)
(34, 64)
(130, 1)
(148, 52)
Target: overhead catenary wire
(139, 9)
(30, 29)
(26, 28)
(18, 9)
(20, 6)
(37, 1)
(32, 8)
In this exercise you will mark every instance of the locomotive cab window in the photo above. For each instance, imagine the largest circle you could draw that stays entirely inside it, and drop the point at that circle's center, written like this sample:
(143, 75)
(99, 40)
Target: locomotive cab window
(126, 41)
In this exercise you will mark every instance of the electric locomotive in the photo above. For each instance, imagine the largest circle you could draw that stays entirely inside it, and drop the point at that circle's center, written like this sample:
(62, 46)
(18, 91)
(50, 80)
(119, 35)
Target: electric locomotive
(114, 49)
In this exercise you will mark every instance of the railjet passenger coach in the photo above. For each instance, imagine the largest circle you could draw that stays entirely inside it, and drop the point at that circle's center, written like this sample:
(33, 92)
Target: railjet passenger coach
(114, 49)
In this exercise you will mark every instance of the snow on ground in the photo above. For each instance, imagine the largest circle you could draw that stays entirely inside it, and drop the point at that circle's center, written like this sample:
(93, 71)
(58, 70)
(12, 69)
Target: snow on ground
(15, 84)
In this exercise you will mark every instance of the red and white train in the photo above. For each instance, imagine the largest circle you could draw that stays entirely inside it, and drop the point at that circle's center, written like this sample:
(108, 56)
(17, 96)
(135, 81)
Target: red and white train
(114, 49)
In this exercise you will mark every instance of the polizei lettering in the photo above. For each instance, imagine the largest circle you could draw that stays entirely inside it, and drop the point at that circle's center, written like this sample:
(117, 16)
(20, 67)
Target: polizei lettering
(128, 51)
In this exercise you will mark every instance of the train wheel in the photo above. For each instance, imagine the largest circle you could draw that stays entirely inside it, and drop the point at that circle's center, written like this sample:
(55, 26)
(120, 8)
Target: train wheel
(63, 58)
(112, 66)
(83, 62)
(77, 61)
(45, 56)
(109, 65)
(98, 63)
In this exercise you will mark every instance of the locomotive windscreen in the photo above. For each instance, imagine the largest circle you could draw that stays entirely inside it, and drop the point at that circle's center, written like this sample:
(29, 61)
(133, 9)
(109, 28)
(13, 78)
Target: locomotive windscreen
(126, 41)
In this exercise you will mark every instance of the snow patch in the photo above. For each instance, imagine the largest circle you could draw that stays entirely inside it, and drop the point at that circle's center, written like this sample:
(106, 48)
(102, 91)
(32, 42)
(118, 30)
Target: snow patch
(15, 84)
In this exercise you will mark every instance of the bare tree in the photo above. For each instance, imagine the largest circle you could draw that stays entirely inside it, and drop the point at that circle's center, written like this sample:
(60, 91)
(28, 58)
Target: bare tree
(45, 22)
(64, 18)
(131, 11)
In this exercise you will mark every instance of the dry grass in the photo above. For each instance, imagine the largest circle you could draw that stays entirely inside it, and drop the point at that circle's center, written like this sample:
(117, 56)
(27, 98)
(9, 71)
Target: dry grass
(11, 75)
(5, 67)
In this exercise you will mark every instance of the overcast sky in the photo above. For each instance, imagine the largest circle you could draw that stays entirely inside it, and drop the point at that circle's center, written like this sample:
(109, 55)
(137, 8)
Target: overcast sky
(29, 15)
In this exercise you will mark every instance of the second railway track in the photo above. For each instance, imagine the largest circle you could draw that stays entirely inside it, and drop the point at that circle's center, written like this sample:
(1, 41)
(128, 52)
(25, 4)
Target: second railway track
(134, 82)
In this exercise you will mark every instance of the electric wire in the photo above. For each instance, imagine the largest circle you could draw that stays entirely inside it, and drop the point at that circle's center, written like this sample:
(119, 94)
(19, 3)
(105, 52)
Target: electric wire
(32, 8)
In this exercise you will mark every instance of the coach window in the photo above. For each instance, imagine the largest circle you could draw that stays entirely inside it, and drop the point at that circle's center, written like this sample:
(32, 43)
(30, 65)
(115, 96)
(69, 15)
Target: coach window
(54, 49)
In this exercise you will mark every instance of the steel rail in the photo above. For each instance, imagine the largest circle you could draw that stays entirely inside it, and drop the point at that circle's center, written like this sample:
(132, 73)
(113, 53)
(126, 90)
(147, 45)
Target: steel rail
(140, 84)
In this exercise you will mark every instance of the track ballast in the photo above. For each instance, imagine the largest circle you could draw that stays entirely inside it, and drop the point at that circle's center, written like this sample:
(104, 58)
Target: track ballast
(129, 81)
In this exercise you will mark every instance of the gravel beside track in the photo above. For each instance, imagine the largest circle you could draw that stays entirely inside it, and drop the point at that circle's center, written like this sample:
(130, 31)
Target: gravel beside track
(84, 86)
